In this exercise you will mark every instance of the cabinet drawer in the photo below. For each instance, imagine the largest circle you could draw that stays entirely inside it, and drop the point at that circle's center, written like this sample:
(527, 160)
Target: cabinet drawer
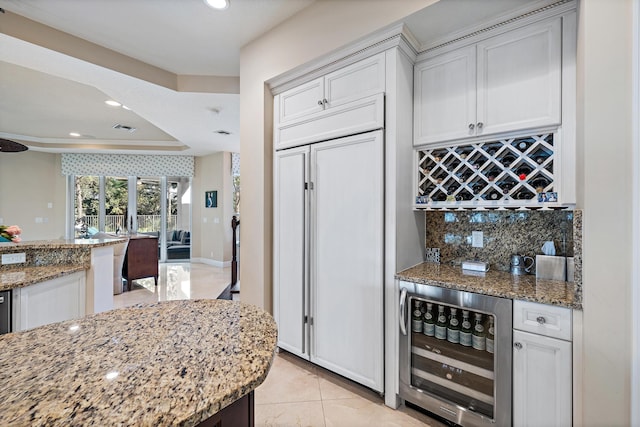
(543, 319)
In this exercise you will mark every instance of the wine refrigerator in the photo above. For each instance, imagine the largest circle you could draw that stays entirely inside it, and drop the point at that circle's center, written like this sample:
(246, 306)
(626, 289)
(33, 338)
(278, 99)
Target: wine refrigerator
(455, 354)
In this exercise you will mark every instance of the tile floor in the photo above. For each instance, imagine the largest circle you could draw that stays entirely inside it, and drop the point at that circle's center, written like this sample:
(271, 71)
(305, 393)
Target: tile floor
(295, 393)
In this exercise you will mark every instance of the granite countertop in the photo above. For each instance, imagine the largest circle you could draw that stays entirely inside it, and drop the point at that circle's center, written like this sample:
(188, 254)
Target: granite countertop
(25, 276)
(494, 283)
(59, 244)
(164, 364)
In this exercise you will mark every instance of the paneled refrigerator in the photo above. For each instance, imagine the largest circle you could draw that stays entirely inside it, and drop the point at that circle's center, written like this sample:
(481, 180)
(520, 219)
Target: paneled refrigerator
(329, 253)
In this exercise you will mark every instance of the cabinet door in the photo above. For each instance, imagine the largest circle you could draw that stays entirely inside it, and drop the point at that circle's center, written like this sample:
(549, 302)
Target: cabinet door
(347, 232)
(541, 381)
(519, 77)
(50, 301)
(301, 101)
(290, 249)
(356, 81)
(445, 97)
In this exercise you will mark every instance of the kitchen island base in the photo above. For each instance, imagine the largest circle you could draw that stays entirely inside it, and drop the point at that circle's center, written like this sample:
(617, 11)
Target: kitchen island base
(240, 413)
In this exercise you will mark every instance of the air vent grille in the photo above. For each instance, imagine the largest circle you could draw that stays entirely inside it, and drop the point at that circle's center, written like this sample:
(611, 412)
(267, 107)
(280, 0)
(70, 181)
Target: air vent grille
(124, 127)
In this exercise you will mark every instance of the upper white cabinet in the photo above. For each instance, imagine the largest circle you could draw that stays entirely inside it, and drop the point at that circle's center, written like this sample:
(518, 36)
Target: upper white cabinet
(343, 102)
(508, 82)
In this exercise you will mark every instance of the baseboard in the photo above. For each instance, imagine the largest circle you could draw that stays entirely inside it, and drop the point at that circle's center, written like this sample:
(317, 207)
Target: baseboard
(212, 262)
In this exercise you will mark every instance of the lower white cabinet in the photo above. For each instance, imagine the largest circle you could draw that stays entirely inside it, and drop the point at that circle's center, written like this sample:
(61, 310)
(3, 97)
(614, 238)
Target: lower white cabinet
(51, 301)
(542, 372)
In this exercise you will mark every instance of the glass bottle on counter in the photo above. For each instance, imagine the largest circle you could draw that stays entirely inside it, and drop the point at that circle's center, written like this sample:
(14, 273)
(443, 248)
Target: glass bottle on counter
(428, 321)
(490, 336)
(453, 328)
(416, 317)
(478, 337)
(465, 330)
(441, 324)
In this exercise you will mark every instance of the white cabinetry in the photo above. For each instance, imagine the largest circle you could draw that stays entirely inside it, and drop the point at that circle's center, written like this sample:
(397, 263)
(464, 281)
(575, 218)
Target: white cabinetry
(50, 301)
(329, 254)
(542, 365)
(332, 105)
(508, 82)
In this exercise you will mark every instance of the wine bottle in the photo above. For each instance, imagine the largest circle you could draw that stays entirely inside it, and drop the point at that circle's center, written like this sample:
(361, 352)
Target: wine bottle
(478, 338)
(416, 317)
(465, 330)
(493, 195)
(453, 328)
(507, 160)
(441, 324)
(490, 336)
(428, 321)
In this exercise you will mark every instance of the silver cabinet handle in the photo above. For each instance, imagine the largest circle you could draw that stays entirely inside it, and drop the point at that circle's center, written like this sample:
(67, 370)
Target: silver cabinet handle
(541, 320)
(471, 126)
(480, 124)
(517, 345)
(320, 102)
(403, 299)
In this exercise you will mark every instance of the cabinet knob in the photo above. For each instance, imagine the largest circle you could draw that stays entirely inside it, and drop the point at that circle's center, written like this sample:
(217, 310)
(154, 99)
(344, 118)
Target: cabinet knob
(471, 126)
(517, 345)
(324, 101)
(541, 320)
(320, 102)
(480, 124)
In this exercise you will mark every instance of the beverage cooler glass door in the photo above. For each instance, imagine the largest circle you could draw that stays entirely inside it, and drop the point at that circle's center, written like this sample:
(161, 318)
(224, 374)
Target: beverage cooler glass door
(455, 354)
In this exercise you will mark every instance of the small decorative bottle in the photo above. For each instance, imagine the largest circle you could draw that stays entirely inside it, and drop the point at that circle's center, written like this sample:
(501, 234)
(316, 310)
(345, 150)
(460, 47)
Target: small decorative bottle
(428, 321)
(453, 328)
(490, 335)
(478, 338)
(441, 324)
(416, 317)
(465, 330)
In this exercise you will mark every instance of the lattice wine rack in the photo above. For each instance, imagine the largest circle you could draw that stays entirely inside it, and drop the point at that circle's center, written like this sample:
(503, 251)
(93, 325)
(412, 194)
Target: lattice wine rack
(511, 172)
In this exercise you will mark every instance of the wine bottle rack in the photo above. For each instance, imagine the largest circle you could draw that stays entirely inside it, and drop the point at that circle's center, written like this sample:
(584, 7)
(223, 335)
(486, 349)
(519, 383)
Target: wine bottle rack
(510, 172)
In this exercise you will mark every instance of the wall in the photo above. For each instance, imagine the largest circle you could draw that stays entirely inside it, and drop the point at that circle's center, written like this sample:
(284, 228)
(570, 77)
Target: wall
(604, 159)
(211, 237)
(505, 233)
(322, 27)
(28, 182)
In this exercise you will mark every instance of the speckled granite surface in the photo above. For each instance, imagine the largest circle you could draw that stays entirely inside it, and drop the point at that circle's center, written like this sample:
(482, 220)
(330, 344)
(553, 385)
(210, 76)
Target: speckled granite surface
(177, 363)
(495, 283)
(18, 278)
(54, 252)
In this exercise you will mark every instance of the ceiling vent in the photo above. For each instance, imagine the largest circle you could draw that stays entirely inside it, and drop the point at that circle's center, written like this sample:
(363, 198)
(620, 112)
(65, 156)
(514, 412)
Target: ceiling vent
(222, 132)
(125, 127)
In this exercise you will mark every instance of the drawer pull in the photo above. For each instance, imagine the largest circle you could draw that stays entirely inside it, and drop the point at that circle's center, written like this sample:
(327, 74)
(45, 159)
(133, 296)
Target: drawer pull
(541, 320)
(517, 345)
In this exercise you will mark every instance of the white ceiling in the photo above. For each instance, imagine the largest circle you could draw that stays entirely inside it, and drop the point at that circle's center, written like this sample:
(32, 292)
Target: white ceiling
(45, 94)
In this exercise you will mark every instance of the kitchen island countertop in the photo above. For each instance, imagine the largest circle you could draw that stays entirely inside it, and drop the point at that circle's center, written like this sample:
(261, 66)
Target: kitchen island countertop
(494, 283)
(164, 364)
(25, 276)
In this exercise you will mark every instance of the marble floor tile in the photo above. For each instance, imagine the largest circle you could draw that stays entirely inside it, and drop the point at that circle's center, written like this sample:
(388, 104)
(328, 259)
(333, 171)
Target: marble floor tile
(289, 381)
(177, 281)
(298, 414)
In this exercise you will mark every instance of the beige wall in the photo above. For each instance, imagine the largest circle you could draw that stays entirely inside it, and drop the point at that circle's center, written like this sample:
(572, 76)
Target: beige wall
(604, 126)
(28, 182)
(324, 26)
(212, 240)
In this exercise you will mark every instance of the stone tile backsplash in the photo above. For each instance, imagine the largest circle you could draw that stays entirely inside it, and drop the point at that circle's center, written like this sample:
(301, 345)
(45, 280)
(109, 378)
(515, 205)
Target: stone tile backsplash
(504, 233)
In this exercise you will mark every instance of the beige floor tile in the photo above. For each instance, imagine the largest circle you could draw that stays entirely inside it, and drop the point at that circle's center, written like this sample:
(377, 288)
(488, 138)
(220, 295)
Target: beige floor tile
(333, 386)
(288, 381)
(298, 414)
(360, 412)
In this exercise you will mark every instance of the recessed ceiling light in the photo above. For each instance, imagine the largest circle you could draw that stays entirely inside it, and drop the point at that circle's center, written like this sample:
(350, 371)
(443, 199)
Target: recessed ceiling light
(112, 103)
(76, 134)
(217, 4)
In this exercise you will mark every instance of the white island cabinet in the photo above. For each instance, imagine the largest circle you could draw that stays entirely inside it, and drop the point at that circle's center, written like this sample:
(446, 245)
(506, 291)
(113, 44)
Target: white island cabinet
(55, 300)
(542, 365)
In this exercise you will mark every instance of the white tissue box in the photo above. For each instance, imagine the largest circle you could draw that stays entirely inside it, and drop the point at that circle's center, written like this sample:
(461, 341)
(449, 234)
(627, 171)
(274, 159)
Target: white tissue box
(551, 267)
